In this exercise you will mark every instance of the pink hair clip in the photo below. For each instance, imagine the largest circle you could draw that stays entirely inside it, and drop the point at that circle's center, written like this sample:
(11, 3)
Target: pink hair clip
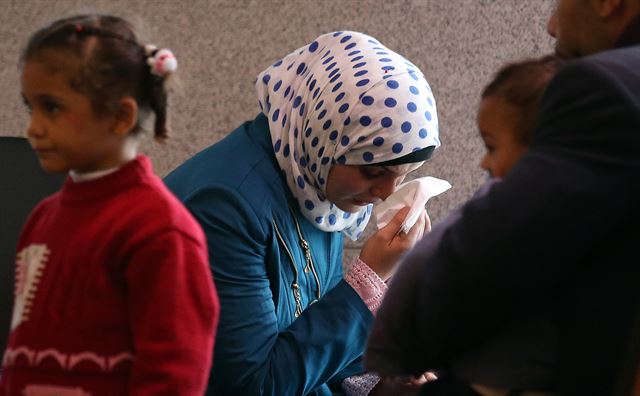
(162, 62)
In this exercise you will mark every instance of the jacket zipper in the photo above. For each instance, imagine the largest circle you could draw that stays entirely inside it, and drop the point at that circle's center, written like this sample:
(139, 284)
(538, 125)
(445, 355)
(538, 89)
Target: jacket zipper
(308, 257)
(294, 286)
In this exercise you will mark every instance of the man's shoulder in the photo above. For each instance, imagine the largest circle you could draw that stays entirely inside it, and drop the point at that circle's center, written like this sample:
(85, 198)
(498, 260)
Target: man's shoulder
(614, 60)
(611, 73)
(631, 53)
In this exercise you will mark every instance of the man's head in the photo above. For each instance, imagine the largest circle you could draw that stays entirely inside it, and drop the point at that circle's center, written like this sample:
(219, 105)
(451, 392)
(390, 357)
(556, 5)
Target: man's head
(583, 27)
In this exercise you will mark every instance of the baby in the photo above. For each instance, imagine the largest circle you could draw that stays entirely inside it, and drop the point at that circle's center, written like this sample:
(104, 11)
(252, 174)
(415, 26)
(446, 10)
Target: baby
(506, 119)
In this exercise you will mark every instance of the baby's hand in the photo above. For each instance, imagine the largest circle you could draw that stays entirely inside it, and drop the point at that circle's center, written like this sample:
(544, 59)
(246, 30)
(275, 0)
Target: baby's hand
(404, 386)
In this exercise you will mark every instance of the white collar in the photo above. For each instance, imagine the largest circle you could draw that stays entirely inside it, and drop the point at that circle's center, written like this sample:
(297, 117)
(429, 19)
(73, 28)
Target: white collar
(85, 177)
(130, 152)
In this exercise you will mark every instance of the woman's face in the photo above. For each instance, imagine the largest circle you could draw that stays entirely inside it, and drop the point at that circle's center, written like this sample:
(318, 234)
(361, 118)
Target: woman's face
(352, 187)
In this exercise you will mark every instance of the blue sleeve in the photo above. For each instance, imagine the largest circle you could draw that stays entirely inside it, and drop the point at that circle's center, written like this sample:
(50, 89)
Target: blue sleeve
(251, 356)
(530, 237)
(354, 368)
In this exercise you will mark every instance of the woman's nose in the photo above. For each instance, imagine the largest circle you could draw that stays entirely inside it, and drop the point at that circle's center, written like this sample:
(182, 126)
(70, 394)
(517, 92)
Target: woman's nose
(385, 187)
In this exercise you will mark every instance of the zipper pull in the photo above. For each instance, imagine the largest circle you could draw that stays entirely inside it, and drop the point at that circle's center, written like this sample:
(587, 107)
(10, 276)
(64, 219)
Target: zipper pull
(307, 255)
(298, 298)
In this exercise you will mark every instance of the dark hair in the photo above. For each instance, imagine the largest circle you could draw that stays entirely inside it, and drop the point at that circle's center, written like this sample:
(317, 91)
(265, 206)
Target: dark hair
(522, 84)
(109, 64)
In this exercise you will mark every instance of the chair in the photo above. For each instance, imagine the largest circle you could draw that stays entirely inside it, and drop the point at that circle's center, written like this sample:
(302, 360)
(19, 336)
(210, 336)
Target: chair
(23, 184)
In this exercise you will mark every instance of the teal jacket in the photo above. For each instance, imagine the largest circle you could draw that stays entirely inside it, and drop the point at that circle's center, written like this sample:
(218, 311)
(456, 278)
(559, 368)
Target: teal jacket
(289, 324)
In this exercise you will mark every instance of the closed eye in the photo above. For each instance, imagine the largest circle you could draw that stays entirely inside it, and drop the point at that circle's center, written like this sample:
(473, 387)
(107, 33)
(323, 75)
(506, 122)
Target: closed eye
(372, 173)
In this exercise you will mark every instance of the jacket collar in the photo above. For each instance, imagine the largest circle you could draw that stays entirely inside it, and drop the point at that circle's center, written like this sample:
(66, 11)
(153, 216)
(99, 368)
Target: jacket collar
(261, 136)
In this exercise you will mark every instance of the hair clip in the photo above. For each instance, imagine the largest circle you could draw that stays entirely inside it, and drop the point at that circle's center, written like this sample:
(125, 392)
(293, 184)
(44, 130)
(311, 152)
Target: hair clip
(79, 28)
(162, 62)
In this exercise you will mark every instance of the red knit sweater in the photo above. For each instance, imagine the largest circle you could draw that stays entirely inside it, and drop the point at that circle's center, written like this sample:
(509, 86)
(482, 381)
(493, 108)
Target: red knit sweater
(113, 293)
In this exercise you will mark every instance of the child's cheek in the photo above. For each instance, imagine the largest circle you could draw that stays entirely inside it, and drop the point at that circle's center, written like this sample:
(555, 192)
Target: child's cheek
(75, 121)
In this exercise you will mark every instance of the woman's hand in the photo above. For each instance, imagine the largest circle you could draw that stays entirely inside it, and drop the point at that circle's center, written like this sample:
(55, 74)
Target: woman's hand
(383, 250)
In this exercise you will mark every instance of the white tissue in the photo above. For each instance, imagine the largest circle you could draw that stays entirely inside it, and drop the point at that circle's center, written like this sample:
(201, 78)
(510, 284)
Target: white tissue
(413, 194)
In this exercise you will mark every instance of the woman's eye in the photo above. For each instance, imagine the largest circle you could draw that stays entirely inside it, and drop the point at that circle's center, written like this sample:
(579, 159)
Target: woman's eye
(372, 173)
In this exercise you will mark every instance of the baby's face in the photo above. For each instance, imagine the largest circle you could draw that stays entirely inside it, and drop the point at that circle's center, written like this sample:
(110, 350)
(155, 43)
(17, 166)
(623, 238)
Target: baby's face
(498, 123)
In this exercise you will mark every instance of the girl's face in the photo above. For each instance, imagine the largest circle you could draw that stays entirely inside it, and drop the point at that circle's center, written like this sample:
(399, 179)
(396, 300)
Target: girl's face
(498, 124)
(351, 187)
(64, 130)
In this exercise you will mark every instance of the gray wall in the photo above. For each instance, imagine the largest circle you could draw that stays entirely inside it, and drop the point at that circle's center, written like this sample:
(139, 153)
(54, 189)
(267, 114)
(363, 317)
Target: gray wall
(222, 45)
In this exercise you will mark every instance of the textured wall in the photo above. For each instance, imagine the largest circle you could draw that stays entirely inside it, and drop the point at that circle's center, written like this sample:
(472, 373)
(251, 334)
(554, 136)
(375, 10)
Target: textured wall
(223, 44)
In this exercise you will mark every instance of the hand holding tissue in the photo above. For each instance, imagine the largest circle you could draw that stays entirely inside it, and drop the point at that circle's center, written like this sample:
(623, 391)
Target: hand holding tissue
(413, 194)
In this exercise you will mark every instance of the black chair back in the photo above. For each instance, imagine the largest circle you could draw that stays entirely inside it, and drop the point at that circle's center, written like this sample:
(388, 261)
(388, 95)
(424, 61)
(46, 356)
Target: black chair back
(23, 184)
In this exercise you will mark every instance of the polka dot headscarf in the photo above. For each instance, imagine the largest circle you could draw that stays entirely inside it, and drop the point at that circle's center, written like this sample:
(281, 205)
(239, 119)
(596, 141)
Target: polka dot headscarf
(346, 99)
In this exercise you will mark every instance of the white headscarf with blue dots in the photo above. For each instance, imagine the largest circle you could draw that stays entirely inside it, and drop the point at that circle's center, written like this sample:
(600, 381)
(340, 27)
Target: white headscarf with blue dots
(347, 99)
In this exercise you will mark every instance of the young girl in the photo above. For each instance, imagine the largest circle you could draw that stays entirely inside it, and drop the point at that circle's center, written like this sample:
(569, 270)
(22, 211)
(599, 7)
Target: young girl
(113, 294)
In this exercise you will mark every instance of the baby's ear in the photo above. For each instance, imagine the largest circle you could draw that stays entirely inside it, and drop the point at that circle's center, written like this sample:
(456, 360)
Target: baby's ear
(126, 115)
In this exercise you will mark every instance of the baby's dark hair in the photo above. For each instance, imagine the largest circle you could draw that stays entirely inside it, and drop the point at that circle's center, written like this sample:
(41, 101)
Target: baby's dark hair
(111, 64)
(522, 84)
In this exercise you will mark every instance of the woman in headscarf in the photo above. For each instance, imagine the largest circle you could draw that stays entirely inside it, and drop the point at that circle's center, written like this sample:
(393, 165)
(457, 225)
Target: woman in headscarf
(343, 121)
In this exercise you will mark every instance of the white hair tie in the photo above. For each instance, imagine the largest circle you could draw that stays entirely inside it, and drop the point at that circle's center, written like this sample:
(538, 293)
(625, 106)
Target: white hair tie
(162, 62)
